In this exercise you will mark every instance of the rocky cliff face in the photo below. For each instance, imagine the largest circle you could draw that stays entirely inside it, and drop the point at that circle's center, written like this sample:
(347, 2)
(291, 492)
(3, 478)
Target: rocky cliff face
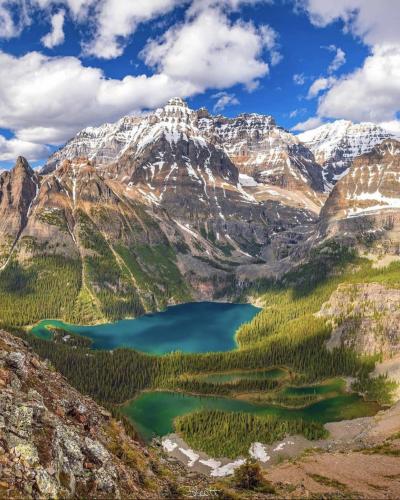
(371, 185)
(336, 144)
(366, 201)
(18, 189)
(366, 318)
(264, 154)
(264, 151)
(57, 443)
(100, 144)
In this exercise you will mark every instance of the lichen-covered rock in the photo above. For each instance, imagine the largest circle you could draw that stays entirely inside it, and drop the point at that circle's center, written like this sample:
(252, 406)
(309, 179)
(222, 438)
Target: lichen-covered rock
(45, 449)
(26, 452)
(96, 451)
(46, 485)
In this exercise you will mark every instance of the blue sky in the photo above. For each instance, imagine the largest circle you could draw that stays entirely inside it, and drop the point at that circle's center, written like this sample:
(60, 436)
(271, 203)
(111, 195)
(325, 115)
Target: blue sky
(67, 64)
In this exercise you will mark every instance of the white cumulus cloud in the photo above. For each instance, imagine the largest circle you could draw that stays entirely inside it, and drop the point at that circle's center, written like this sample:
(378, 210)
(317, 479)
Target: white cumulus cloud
(11, 148)
(209, 50)
(319, 85)
(56, 35)
(338, 60)
(309, 124)
(372, 91)
(108, 24)
(224, 99)
(48, 99)
(116, 20)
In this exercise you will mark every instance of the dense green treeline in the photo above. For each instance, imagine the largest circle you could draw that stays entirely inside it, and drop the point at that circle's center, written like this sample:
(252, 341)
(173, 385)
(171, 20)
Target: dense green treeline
(376, 388)
(43, 287)
(117, 376)
(290, 304)
(286, 333)
(230, 434)
(196, 386)
(98, 286)
(110, 282)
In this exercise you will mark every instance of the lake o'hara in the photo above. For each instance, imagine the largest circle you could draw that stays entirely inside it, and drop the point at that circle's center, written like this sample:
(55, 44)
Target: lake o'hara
(194, 327)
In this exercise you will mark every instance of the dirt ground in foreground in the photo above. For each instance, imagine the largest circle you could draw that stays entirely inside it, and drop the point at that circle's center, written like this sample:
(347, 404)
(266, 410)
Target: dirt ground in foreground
(370, 474)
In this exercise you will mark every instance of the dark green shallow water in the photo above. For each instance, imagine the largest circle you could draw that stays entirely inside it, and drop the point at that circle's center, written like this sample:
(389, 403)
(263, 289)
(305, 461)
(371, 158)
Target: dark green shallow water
(153, 412)
(193, 327)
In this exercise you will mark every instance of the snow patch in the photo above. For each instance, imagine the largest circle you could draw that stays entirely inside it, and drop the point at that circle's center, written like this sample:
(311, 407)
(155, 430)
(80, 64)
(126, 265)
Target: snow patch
(193, 457)
(247, 180)
(259, 452)
(169, 445)
(227, 469)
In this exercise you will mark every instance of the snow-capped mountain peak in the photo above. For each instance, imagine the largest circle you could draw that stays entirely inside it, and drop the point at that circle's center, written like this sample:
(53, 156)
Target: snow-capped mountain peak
(371, 186)
(336, 144)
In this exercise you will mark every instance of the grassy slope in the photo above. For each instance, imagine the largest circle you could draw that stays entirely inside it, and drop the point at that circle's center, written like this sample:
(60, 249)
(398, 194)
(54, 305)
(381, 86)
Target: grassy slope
(109, 282)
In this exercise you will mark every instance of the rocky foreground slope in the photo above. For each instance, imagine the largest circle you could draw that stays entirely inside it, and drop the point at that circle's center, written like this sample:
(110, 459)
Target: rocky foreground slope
(57, 443)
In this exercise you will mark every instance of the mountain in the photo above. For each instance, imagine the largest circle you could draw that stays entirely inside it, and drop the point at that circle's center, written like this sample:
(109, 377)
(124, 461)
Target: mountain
(170, 203)
(99, 144)
(262, 150)
(269, 155)
(336, 144)
(207, 204)
(368, 197)
(18, 189)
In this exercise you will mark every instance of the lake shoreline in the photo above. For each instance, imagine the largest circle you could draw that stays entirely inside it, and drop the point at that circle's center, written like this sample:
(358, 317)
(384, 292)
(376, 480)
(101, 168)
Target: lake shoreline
(254, 302)
(347, 389)
(194, 327)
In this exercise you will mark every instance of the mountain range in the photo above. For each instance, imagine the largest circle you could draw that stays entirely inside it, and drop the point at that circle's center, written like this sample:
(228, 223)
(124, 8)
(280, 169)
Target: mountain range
(182, 205)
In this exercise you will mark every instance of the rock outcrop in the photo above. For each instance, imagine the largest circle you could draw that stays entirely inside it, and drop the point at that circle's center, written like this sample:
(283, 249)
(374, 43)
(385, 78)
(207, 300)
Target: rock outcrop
(57, 443)
(365, 203)
(264, 151)
(18, 188)
(366, 318)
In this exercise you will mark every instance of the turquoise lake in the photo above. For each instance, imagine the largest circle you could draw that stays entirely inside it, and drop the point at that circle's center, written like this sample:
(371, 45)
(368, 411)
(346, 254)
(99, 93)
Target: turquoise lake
(192, 327)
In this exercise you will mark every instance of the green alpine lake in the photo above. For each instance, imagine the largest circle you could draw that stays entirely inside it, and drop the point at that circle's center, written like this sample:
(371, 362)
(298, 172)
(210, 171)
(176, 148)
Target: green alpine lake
(153, 412)
(192, 327)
